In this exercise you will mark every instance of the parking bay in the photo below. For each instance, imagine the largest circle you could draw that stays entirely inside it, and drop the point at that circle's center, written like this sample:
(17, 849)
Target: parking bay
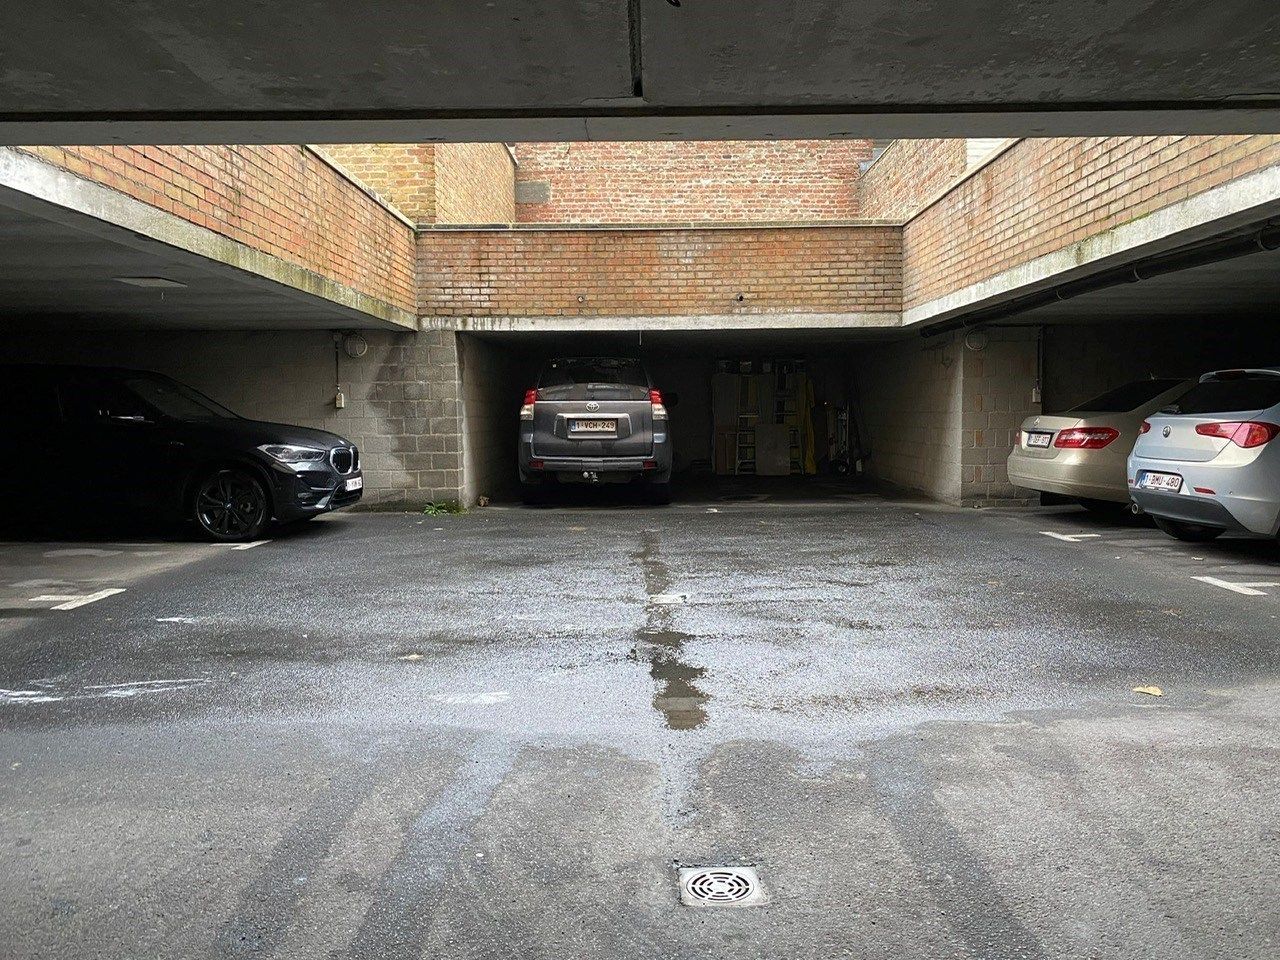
(508, 729)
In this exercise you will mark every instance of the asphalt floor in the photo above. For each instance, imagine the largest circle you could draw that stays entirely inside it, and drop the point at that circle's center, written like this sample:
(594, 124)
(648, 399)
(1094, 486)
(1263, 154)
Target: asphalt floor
(504, 733)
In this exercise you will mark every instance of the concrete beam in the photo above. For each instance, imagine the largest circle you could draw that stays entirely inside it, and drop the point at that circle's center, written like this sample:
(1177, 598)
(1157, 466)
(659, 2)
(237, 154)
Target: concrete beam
(242, 71)
(765, 122)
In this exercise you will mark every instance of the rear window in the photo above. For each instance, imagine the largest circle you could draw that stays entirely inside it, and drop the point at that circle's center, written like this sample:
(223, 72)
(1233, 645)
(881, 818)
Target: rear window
(567, 373)
(1246, 392)
(1126, 398)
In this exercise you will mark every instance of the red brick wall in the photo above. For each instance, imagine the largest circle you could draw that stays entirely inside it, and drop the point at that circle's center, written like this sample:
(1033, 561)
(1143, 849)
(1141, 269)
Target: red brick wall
(658, 272)
(475, 183)
(403, 174)
(281, 200)
(1044, 195)
(908, 175)
(681, 182)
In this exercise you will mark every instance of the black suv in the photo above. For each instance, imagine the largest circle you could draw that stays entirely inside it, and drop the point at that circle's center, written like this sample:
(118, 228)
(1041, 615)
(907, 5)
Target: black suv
(115, 441)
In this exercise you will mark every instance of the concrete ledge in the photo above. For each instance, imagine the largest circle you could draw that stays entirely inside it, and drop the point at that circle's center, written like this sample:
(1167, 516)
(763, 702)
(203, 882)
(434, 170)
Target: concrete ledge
(30, 184)
(735, 321)
(1226, 207)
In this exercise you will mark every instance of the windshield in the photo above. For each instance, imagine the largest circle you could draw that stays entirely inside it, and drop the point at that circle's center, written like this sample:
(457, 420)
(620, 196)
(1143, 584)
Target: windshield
(1239, 392)
(175, 400)
(1126, 398)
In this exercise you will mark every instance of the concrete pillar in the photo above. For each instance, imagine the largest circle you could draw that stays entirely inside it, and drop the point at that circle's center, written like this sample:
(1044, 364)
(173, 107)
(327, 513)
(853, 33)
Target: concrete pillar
(999, 377)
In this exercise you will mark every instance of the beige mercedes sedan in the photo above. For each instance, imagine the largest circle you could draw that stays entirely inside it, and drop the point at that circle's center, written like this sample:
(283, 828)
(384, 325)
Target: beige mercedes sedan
(1082, 453)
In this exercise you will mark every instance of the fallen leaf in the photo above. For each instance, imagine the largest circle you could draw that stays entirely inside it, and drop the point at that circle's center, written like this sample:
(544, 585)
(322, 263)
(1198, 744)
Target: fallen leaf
(1149, 691)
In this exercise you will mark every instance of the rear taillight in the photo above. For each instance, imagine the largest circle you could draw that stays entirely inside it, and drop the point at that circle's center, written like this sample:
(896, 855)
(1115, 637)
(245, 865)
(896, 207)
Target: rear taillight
(659, 409)
(1146, 427)
(530, 398)
(1247, 433)
(1085, 438)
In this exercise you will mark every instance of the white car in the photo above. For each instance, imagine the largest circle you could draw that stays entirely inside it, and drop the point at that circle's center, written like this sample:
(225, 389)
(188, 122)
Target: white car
(1208, 464)
(1081, 453)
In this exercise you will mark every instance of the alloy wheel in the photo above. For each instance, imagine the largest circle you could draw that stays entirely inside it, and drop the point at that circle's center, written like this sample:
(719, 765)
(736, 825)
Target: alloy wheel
(231, 505)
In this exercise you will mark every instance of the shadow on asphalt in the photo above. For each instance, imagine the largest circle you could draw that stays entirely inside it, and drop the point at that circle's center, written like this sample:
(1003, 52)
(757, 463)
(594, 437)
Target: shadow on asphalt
(134, 529)
(1229, 547)
(710, 490)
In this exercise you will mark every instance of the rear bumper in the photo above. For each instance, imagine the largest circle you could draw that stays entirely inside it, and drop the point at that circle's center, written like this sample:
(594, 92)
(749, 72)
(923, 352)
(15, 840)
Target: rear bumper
(1243, 499)
(582, 469)
(1068, 479)
(1198, 510)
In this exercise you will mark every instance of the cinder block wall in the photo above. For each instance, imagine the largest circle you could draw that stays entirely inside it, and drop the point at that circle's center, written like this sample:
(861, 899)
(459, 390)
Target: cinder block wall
(403, 404)
(491, 392)
(689, 181)
(912, 395)
(998, 380)
(939, 416)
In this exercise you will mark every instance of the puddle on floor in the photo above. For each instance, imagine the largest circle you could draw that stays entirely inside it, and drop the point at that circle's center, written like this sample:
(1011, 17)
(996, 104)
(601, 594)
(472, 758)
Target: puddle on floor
(678, 698)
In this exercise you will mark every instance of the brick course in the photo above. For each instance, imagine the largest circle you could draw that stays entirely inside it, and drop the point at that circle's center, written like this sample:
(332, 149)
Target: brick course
(682, 182)
(658, 272)
(436, 183)
(910, 174)
(281, 200)
(475, 183)
(403, 174)
(1042, 196)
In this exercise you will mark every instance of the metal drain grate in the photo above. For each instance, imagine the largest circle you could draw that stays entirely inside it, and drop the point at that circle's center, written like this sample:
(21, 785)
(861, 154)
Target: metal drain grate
(720, 887)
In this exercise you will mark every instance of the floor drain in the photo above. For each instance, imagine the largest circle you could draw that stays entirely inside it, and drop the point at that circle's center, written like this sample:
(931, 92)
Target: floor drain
(720, 887)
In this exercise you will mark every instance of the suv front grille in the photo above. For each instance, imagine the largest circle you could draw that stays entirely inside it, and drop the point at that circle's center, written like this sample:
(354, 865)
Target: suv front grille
(344, 459)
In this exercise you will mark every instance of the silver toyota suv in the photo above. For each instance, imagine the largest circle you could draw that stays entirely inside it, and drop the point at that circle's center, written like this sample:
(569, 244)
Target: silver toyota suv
(594, 420)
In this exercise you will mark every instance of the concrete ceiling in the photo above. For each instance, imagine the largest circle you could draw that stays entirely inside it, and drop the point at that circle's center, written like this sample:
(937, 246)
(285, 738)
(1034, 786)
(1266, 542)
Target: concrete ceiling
(1243, 288)
(333, 70)
(56, 275)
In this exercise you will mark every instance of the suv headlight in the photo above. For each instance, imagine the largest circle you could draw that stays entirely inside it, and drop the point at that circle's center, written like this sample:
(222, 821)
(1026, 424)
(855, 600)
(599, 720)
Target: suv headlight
(288, 453)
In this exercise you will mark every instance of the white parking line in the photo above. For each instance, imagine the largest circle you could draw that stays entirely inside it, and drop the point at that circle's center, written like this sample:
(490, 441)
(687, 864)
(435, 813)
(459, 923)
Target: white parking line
(1070, 537)
(65, 602)
(250, 546)
(1248, 589)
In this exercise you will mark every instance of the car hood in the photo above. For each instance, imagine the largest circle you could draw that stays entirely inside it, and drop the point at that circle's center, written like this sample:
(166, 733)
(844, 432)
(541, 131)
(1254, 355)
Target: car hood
(257, 432)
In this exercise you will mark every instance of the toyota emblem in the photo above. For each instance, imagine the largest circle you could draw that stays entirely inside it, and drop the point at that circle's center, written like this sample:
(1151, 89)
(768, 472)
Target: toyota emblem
(1166, 431)
(592, 406)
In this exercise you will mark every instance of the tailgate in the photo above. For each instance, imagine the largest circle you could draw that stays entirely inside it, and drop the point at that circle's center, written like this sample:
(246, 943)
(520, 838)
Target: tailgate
(1183, 443)
(593, 422)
